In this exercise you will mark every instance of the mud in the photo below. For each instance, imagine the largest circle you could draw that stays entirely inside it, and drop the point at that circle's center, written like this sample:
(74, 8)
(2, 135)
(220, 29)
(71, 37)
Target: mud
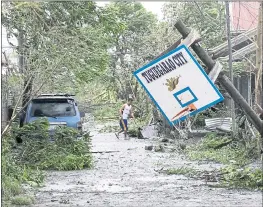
(130, 177)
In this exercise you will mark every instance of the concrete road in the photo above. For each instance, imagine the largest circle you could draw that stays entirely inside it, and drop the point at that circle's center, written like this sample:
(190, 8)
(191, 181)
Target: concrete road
(129, 177)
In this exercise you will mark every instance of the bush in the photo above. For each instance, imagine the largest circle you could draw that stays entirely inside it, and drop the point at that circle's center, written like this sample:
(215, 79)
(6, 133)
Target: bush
(24, 163)
(242, 177)
(218, 149)
(13, 174)
(212, 141)
(22, 200)
(235, 154)
(66, 152)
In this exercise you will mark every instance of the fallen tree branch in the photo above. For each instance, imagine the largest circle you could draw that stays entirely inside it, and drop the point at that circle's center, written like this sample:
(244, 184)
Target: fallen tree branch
(14, 116)
(105, 151)
(222, 144)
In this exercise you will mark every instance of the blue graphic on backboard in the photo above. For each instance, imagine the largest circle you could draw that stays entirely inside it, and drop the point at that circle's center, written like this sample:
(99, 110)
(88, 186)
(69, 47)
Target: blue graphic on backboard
(185, 90)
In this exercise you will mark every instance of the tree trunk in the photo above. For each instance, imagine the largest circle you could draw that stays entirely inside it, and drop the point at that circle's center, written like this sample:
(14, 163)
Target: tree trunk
(136, 90)
(28, 83)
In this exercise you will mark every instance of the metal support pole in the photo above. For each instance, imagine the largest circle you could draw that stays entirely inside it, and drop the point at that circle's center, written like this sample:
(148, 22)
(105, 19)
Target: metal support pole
(223, 79)
(231, 75)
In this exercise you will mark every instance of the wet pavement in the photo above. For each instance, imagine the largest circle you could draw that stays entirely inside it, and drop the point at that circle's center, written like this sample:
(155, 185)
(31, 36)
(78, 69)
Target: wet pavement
(127, 175)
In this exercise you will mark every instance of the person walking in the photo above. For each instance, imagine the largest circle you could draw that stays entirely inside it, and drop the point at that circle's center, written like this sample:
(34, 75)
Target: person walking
(125, 112)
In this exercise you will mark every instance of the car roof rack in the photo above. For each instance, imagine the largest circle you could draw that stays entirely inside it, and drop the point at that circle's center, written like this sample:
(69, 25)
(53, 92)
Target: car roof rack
(56, 94)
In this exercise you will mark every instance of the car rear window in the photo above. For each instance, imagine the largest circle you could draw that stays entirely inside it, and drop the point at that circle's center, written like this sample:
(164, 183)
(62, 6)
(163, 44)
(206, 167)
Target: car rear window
(53, 108)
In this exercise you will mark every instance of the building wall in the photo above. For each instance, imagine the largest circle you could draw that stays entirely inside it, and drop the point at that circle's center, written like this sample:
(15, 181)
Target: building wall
(246, 86)
(244, 15)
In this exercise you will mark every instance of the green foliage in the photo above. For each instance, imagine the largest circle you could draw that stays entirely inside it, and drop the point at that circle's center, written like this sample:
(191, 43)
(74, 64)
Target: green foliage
(69, 35)
(11, 186)
(14, 174)
(233, 175)
(22, 200)
(24, 163)
(208, 18)
(31, 131)
(212, 148)
(107, 111)
(225, 155)
(32, 176)
(182, 171)
(110, 129)
(212, 141)
(133, 132)
(130, 24)
(238, 67)
(230, 176)
(200, 120)
(242, 177)
(138, 122)
(65, 153)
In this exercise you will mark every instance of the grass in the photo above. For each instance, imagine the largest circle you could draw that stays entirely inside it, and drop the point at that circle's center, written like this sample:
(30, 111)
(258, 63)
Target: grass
(235, 177)
(11, 186)
(217, 149)
(182, 171)
(225, 155)
(221, 150)
(230, 176)
(22, 200)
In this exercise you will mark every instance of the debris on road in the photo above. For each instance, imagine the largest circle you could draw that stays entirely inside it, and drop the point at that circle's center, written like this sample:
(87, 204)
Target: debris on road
(105, 151)
(112, 175)
(150, 148)
(64, 201)
(165, 140)
(159, 148)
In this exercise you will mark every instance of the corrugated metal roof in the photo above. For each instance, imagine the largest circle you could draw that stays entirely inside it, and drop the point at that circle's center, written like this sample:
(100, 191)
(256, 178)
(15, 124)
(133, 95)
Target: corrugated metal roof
(242, 44)
(240, 54)
(215, 123)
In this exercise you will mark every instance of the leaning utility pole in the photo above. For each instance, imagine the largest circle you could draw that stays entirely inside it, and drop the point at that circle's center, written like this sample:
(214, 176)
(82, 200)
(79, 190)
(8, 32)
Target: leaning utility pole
(230, 66)
(223, 79)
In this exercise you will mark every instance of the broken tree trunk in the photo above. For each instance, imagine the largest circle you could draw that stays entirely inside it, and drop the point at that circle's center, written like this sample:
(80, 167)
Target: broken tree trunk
(223, 79)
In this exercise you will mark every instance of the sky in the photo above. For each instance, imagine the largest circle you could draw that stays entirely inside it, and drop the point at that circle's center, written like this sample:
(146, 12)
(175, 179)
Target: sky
(10, 52)
(153, 6)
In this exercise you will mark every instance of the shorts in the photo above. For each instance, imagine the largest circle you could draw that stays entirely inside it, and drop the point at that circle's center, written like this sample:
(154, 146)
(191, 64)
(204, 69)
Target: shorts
(124, 124)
